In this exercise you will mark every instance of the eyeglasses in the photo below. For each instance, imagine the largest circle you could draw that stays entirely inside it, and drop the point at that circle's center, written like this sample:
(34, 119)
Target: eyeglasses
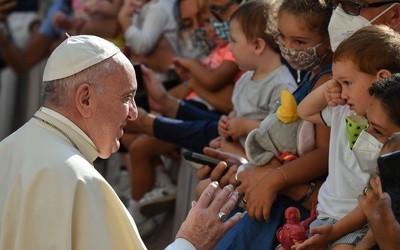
(354, 9)
(216, 10)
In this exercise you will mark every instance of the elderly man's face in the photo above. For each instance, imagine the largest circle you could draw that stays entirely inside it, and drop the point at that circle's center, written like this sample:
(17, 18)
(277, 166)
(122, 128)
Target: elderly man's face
(114, 107)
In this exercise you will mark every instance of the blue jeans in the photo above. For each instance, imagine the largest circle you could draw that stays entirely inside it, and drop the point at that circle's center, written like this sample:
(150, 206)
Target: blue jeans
(251, 234)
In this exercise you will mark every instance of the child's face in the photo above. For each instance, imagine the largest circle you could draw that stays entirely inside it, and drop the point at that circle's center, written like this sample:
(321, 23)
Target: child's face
(205, 17)
(295, 34)
(379, 124)
(355, 84)
(240, 47)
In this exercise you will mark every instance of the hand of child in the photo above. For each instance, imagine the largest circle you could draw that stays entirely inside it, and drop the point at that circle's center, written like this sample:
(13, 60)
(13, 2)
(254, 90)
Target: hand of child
(333, 93)
(321, 237)
(182, 71)
(236, 128)
(222, 126)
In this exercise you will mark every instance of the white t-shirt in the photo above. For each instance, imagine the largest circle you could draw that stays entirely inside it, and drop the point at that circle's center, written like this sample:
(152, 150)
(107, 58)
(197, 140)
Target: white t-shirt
(338, 195)
(257, 99)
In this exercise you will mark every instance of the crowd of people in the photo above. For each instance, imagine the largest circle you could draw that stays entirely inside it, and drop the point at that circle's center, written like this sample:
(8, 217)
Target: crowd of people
(217, 78)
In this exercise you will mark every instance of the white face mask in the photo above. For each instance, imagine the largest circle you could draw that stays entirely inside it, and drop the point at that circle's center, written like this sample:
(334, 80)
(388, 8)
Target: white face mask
(343, 25)
(366, 150)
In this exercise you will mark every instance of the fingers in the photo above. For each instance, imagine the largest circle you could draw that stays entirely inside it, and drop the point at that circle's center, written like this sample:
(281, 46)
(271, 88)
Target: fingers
(225, 174)
(203, 172)
(206, 197)
(375, 185)
(232, 221)
(224, 200)
(213, 153)
(227, 198)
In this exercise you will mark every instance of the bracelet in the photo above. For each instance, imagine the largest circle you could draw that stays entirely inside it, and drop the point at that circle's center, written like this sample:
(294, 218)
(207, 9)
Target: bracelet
(283, 173)
(308, 194)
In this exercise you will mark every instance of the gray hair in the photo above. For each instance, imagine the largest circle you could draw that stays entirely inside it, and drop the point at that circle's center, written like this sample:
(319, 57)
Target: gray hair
(60, 92)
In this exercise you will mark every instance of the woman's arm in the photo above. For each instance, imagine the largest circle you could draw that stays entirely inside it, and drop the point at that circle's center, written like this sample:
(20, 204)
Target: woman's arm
(207, 78)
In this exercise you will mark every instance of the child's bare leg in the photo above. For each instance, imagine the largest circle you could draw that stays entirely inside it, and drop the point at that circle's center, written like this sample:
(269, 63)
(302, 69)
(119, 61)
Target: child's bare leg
(143, 151)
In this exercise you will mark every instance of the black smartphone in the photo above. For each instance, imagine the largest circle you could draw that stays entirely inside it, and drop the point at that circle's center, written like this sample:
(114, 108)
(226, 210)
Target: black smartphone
(203, 159)
(389, 172)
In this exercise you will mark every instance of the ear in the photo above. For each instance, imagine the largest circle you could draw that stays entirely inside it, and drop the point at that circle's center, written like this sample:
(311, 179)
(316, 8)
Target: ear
(395, 17)
(84, 99)
(383, 74)
(259, 46)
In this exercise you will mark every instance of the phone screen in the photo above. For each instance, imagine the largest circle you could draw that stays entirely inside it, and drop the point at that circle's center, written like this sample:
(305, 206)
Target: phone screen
(389, 172)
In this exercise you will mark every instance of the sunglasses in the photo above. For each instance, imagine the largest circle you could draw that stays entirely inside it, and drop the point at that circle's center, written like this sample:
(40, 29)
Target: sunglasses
(354, 9)
(216, 10)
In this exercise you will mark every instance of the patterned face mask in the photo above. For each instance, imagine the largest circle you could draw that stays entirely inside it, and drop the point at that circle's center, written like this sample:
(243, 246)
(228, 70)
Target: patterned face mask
(222, 29)
(302, 59)
(201, 41)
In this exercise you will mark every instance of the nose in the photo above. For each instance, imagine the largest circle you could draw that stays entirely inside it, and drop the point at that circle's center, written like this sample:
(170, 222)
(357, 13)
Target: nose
(133, 111)
(344, 94)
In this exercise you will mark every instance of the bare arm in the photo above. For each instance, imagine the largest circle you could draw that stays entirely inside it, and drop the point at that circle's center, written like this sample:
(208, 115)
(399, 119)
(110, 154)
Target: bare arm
(220, 100)
(309, 109)
(21, 60)
(210, 79)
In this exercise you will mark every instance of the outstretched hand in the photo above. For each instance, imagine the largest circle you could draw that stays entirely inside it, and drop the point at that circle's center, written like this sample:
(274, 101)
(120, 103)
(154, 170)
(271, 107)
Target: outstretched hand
(203, 227)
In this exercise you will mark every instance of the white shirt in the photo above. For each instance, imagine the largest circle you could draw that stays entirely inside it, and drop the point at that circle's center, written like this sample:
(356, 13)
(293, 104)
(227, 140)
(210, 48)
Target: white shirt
(338, 195)
(51, 196)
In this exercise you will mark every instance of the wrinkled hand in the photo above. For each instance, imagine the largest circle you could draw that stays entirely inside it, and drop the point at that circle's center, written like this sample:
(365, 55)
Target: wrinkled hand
(220, 172)
(321, 237)
(202, 226)
(333, 93)
(258, 190)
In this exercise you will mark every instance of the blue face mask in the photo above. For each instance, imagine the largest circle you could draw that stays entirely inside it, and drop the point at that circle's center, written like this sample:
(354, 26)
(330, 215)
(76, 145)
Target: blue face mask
(201, 41)
(221, 29)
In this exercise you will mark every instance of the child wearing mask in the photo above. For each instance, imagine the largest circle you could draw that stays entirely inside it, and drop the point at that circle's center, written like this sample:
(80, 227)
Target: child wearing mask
(354, 70)
(302, 30)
